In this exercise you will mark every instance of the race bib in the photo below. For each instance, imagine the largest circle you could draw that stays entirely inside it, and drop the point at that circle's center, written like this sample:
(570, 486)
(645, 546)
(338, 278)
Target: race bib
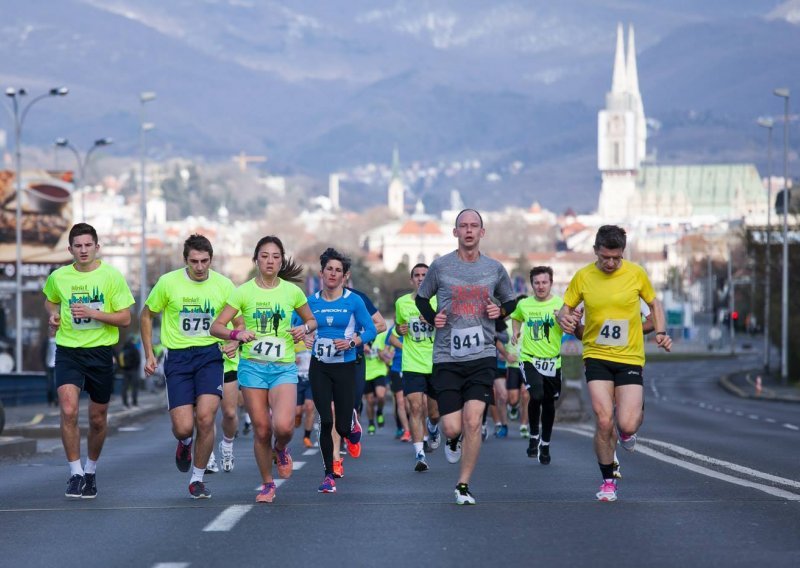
(194, 324)
(546, 367)
(613, 333)
(467, 341)
(268, 349)
(325, 351)
(419, 329)
(82, 324)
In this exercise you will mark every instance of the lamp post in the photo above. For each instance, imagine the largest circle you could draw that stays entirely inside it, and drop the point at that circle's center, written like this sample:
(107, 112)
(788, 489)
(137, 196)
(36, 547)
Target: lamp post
(82, 163)
(18, 113)
(144, 127)
(784, 94)
(768, 123)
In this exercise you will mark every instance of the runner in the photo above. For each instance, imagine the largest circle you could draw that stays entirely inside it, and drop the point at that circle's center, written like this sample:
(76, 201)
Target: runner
(267, 369)
(464, 356)
(498, 409)
(190, 297)
(402, 432)
(304, 411)
(87, 302)
(377, 359)
(539, 338)
(518, 398)
(613, 345)
(230, 410)
(339, 313)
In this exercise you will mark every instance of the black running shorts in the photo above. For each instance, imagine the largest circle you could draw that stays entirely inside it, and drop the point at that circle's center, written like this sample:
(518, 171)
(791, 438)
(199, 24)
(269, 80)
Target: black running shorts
(88, 368)
(619, 373)
(455, 383)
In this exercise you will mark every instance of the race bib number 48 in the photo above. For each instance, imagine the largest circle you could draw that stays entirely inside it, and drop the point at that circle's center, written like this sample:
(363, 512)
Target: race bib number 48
(268, 349)
(613, 333)
(88, 323)
(467, 341)
(325, 351)
(195, 324)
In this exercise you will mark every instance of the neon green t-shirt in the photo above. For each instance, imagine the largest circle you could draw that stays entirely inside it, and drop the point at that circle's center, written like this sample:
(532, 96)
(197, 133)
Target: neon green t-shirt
(375, 365)
(512, 348)
(189, 307)
(418, 342)
(540, 333)
(104, 288)
(268, 314)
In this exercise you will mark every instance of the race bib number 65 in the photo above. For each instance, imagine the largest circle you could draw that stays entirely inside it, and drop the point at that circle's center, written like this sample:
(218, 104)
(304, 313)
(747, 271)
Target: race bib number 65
(613, 333)
(467, 341)
(88, 323)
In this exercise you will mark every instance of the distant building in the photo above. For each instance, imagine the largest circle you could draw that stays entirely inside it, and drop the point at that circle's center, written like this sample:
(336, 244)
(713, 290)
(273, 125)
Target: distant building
(397, 189)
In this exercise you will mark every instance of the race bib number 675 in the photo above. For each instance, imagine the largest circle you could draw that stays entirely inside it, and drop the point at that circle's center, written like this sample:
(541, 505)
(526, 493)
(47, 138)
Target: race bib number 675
(467, 341)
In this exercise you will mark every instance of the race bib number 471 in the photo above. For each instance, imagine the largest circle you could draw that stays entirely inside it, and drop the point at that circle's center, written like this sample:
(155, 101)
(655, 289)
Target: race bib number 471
(467, 341)
(268, 349)
(613, 333)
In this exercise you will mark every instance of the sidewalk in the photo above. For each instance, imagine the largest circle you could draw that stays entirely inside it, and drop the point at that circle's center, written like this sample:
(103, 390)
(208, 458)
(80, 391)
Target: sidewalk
(26, 423)
(745, 385)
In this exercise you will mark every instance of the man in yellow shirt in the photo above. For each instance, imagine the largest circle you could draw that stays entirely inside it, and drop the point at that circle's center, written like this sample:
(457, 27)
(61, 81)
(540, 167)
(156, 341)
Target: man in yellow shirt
(613, 344)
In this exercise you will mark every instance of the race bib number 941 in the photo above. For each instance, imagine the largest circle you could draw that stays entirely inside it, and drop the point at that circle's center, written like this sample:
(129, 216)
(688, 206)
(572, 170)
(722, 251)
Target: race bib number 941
(268, 349)
(194, 324)
(613, 333)
(467, 341)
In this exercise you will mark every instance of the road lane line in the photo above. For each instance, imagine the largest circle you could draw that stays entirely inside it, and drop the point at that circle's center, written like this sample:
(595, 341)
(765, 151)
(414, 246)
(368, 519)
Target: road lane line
(770, 420)
(791, 427)
(753, 417)
(228, 518)
(297, 465)
(171, 565)
(310, 452)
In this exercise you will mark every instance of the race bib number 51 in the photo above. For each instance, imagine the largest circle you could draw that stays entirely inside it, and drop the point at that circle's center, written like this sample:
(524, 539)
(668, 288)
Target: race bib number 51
(268, 349)
(467, 341)
(613, 333)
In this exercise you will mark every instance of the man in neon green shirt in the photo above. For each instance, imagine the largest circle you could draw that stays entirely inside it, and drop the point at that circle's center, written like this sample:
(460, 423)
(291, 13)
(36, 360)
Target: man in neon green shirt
(417, 348)
(190, 298)
(540, 353)
(87, 302)
(377, 358)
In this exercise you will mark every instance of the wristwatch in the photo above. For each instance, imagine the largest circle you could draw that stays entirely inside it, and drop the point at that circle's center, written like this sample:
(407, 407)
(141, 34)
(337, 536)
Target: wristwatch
(352, 344)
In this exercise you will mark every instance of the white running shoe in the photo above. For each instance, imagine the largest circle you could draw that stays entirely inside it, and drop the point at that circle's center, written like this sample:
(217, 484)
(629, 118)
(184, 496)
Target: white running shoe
(617, 468)
(434, 436)
(524, 432)
(211, 466)
(627, 442)
(452, 450)
(608, 491)
(227, 457)
(463, 496)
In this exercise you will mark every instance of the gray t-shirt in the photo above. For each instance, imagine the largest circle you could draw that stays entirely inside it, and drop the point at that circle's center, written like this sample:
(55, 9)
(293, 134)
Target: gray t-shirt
(462, 289)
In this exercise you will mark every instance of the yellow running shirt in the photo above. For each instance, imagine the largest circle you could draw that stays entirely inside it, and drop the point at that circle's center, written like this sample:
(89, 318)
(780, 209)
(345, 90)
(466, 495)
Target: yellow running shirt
(268, 314)
(104, 288)
(613, 330)
(189, 307)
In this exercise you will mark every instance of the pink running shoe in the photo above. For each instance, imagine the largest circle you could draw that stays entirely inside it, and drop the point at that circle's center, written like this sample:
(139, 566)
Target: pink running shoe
(284, 461)
(627, 442)
(267, 493)
(608, 491)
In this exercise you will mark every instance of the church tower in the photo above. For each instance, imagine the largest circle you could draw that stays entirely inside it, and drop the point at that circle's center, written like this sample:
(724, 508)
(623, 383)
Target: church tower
(621, 133)
(397, 190)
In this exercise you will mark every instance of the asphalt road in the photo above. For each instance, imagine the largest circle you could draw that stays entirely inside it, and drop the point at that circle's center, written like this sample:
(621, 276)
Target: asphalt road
(714, 481)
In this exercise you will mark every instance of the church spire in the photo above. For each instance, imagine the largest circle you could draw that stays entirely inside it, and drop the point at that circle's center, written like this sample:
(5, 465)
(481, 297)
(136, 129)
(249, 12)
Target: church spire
(630, 67)
(619, 81)
(395, 163)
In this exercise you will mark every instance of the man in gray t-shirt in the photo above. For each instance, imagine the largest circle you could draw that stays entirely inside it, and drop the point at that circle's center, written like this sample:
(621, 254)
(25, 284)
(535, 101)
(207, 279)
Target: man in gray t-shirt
(468, 287)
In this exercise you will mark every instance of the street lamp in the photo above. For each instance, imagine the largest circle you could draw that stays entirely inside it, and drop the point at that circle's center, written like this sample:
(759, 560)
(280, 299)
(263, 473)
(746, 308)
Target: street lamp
(82, 163)
(144, 127)
(18, 113)
(784, 94)
(768, 123)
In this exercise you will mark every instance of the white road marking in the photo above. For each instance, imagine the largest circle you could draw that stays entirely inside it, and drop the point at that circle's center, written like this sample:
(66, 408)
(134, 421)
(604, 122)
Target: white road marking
(278, 483)
(791, 427)
(297, 465)
(228, 518)
(753, 417)
(641, 448)
(770, 420)
(310, 452)
(130, 429)
(171, 565)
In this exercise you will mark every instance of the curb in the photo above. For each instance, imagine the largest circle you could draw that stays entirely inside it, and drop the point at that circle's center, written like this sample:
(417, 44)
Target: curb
(726, 383)
(16, 446)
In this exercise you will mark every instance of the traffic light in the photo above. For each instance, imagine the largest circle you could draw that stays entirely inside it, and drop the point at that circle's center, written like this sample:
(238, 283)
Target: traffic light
(735, 316)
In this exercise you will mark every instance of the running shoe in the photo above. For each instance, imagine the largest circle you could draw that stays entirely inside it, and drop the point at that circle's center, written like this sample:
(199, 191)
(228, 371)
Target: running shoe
(247, 427)
(211, 466)
(284, 462)
(398, 433)
(501, 431)
(463, 496)
(197, 489)
(406, 437)
(74, 487)
(608, 491)
(422, 464)
(328, 485)
(338, 468)
(544, 454)
(267, 493)
(627, 442)
(381, 420)
(524, 432)
(533, 448)
(371, 430)
(484, 433)
(353, 449)
(452, 450)
(183, 456)
(434, 436)
(355, 430)
(307, 442)
(617, 468)
(227, 457)
(89, 486)
(513, 412)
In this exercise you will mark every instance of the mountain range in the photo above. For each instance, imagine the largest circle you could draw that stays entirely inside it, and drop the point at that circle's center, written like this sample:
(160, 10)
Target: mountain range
(322, 86)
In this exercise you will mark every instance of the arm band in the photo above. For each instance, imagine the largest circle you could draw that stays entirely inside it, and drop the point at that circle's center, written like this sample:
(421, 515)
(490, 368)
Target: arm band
(234, 334)
(425, 309)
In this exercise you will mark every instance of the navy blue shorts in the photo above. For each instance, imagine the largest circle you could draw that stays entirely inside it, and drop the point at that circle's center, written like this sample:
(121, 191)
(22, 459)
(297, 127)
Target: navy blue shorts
(303, 390)
(192, 372)
(396, 381)
(88, 368)
(417, 382)
(369, 388)
(513, 378)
